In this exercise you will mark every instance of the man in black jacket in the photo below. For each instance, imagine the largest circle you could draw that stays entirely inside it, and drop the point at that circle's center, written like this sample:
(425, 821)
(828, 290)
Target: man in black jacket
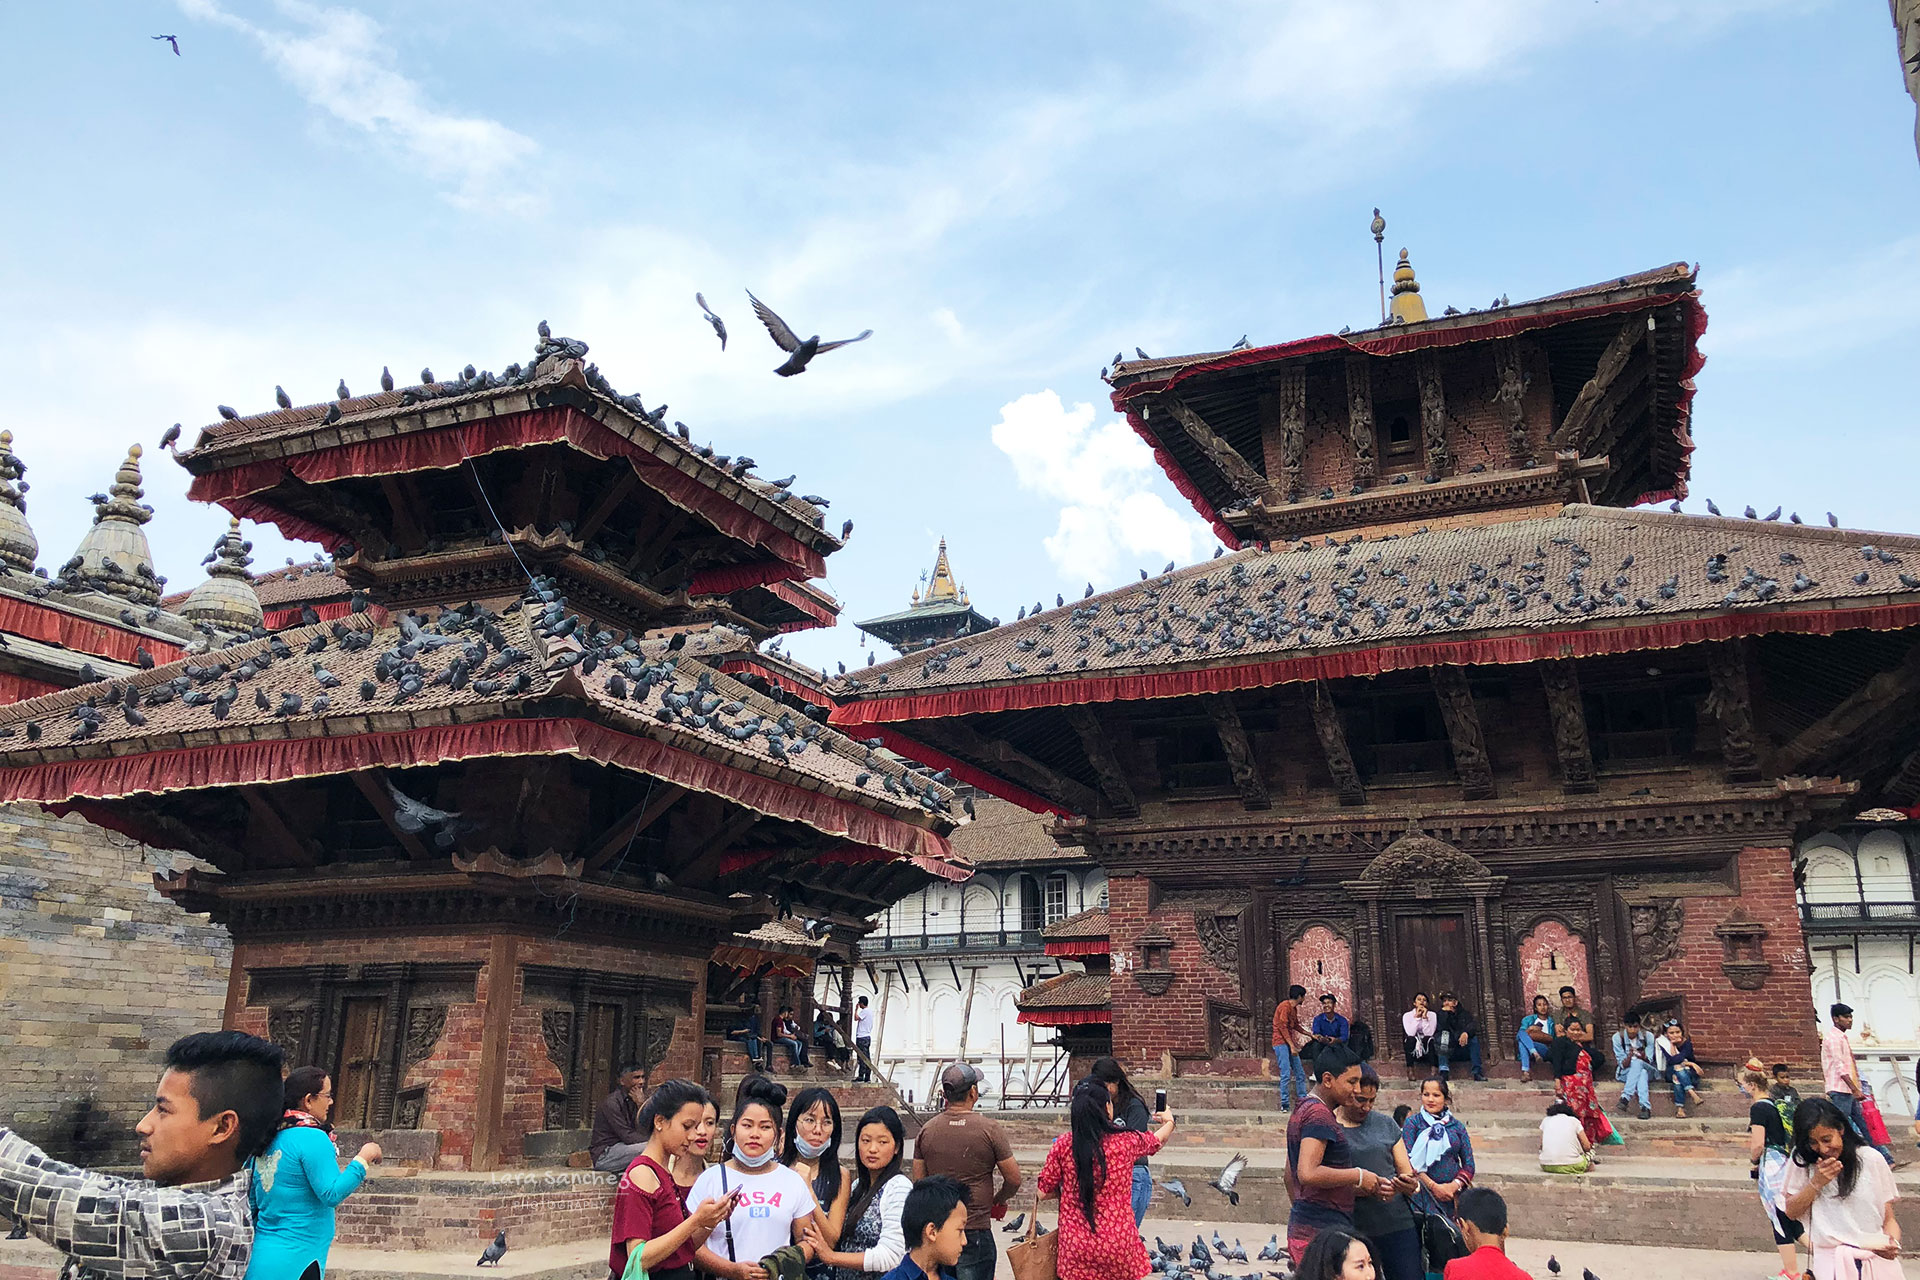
(1458, 1036)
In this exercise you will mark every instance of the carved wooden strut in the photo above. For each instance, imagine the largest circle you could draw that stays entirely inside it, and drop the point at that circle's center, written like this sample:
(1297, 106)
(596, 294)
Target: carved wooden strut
(1238, 472)
(1463, 732)
(1292, 424)
(1106, 765)
(1333, 744)
(1731, 702)
(1360, 420)
(1570, 739)
(1583, 420)
(1512, 396)
(1239, 751)
(1433, 415)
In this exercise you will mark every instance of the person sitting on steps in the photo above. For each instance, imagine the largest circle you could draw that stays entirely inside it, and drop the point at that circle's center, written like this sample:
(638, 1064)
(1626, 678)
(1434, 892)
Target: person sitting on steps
(1459, 1036)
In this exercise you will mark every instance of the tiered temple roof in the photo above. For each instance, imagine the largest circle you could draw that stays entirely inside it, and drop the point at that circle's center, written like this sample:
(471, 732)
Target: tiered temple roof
(939, 613)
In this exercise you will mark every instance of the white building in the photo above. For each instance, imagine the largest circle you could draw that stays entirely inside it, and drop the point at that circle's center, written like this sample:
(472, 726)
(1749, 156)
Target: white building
(1862, 920)
(942, 966)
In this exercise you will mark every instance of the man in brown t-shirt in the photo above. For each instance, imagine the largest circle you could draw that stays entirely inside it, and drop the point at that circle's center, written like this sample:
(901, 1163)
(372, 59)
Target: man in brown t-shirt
(963, 1144)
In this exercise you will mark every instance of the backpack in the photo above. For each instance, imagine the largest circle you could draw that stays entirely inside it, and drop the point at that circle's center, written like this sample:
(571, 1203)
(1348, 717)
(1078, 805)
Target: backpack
(1360, 1040)
(1785, 1109)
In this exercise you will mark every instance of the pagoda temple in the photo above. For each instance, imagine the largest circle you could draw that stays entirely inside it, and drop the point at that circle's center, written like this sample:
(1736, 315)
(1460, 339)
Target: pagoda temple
(941, 612)
(1461, 711)
(481, 811)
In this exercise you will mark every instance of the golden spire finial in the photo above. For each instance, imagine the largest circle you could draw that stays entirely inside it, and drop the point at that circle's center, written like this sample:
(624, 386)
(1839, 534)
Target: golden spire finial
(1407, 306)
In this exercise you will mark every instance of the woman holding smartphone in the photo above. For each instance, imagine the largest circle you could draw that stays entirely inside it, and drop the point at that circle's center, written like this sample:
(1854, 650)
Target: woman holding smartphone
(648, 1216)
(1384, 1217)
(1129, 1112)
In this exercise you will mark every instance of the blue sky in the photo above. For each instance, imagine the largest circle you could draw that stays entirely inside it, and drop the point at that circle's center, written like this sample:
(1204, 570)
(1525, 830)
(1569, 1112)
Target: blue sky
(1006, 195)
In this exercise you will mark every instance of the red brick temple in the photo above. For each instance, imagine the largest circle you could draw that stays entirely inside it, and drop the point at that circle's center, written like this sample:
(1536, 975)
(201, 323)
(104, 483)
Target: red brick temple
(1461, 711)
(481, 812)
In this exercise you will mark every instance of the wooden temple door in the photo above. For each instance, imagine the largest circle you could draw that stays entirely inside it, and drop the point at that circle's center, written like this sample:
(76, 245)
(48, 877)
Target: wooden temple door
(1433, 953)
(597, 1052)
(356, 1085)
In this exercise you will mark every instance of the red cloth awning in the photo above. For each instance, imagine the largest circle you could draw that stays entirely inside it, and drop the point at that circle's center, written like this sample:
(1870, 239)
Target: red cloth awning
(18, 688)
(1078, 947)
(82, 635)
(1065, 1017)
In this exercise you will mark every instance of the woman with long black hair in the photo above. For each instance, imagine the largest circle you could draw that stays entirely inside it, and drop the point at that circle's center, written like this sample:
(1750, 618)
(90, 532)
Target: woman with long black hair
(649, 1214)
(873, 1242)
(1841, 1189)
(813, 1152)
(772, 1204)
(1090, 1169)
(1129, 1112)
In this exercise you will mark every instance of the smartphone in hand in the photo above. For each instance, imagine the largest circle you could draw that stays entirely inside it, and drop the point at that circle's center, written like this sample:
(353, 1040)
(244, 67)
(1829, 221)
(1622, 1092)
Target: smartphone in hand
(1159, 1101)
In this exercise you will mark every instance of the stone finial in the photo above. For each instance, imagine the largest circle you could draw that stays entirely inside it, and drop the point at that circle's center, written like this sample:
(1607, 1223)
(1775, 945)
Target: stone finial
(1406, 306)
(227, 598)
(114, 556)
(19, 548)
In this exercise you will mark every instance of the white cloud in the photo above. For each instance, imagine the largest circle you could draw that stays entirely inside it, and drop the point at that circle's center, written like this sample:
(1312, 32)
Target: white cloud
(1765, 311)
(1109, 519)
(341, 63)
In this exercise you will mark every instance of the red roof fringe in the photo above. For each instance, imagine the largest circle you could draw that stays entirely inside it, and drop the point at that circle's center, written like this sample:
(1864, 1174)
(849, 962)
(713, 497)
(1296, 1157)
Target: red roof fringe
(1079, 947)
(815, 608)
(1065, 1017)
(444, 447)
(1487, 651)
(734, 666)
(282, 760)
(279, 619)
(82, 635)
(726, 579)
(17, 688)
(900, 744)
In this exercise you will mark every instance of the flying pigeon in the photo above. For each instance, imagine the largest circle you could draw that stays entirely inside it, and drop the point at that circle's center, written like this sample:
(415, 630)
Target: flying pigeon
(799, 354)
(173, 41)
(491, 1255)
(1175, 1187)
(413, 817)
(1229, 1178)
(719, 325)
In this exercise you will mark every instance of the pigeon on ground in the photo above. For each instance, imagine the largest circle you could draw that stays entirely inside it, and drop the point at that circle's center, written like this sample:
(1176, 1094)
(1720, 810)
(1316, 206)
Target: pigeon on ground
(1553, 1265)
(799, 353)
(1270, 1252)
(1197, 1251)
(719, 325)
(491, 1255)
(1229, 1178)
(1019, 1219)
(1219, 1245)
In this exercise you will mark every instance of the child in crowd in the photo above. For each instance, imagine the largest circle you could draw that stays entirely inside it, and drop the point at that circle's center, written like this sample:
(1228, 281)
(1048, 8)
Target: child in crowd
(1483, 1229)
(935, 1224)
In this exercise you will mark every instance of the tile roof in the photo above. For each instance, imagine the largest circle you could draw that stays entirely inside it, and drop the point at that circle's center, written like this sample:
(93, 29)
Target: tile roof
(1004, 833)
(1675, 275)
(781, 934)
(1587, 569)
(1066, 991)
(1091, 923)
(307, 582)
(283, 433)
(98, 607)
(810, 755)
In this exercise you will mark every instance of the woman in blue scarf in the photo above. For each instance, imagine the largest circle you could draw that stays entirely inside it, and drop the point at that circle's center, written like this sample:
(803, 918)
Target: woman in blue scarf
(297, 1183)
(1441, 1153)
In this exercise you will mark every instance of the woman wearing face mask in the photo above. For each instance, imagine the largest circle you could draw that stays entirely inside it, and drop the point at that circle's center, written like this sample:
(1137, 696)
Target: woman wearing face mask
(772, 1203)
(813, 1152)
(648, 1214)
(874, 1242)
(691, 1163)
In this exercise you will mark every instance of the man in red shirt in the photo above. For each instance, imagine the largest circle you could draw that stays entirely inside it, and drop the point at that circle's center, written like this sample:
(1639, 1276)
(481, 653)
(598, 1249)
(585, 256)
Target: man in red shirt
(1483, 1229)
(1289, 1037)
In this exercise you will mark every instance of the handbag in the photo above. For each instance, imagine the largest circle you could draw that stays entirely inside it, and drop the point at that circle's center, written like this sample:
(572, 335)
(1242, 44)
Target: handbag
(635, 1270)
(1440, 1241)
(1035, 1256)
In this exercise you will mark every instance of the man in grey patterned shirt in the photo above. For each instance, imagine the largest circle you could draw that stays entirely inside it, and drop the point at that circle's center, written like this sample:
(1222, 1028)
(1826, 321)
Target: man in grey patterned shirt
(217, 1106)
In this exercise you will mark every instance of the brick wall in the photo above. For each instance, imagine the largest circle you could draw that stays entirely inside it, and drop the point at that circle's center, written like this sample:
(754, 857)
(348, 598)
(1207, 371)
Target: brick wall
(1321, 961)
(1145, 1026)
(98, 975)
(1776, 1021)
(1551, 957)
(558, 1206)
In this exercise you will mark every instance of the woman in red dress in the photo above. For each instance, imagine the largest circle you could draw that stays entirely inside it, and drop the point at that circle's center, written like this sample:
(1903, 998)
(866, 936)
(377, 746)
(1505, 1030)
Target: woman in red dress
(1574, 1071)
(1090, 1168)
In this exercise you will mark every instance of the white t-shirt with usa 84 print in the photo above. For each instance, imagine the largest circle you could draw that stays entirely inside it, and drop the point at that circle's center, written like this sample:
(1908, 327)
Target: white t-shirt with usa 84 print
(771, 1199)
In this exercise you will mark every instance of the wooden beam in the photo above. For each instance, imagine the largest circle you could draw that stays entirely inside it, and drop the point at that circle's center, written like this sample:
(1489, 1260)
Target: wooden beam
(958, 739)
(1333, 744)
(1903, 787)
(1106, 765)
(403, 497)
(1730, 702)
(1569, 716)
(1238, 472)
(1630, 398)
(628, 826)
(716, 841)
(1233, 740)
(1463, 732)
(1577, 427)
(1887, 697)
(651, 539)
(373, 786)
(273, 828)
(1360, 419)
(609, 502)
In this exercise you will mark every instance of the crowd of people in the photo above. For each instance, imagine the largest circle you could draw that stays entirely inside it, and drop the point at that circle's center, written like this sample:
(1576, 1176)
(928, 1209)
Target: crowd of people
(786, 1034)
(242, 1177)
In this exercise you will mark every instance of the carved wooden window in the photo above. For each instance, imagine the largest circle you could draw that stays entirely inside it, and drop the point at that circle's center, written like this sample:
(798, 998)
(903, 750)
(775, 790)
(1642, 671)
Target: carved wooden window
(1191, 757)
(1056, 897)
(1399, 433)
(1641, 724)
(357, 1082)
(1398, 734)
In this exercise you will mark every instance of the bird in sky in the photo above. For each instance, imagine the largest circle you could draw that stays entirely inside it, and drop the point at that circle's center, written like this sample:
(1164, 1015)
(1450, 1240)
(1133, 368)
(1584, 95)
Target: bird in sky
(799, 353)
(173, 41)
(719, 325)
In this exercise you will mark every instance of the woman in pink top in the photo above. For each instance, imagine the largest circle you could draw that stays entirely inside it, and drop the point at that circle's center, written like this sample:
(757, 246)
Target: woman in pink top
(1090, 1168)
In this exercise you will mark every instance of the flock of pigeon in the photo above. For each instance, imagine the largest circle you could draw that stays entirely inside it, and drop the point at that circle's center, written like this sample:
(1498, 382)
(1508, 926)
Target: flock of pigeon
(1345, 590)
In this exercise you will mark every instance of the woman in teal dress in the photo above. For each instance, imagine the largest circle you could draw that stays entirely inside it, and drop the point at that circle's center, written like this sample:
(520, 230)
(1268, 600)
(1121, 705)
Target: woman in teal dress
(297, 1183)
